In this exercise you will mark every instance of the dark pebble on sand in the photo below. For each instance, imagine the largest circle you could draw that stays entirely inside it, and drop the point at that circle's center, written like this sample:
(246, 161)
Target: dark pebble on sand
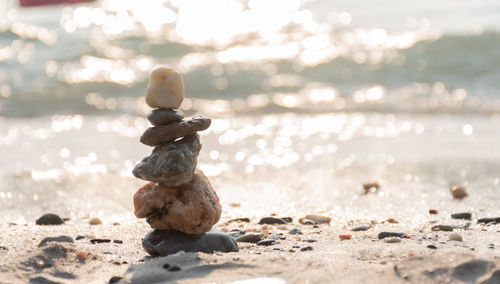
(287, 219)
(266, 242)
(432, 246)
(118, 241)
(49, 219)
(174, 269)
(463, 215)
(308, 248)
(295, 247)
(491, 246)
(115, 279)
(295, 231)
(166, 266)
(489, 220)
(250, 238)
(80, 237)
(310, 240)
(272, 221)
(383, 235)
(360, 228)
(446, 228)
(59, 239)
(3, 248)
(99, 241)
(162, 243)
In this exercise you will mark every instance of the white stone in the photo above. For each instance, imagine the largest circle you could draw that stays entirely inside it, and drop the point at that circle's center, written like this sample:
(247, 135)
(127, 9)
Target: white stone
(455, 237)
(392, 240)
(165, 89)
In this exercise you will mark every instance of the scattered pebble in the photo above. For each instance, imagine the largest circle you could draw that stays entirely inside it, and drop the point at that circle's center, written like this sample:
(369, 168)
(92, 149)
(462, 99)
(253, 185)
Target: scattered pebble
(383, 235)
(287, 219)
(49, 219)
(458, 192)
(40, 264)
(266, 242)
(489, 220)
(455, 237)
(272, 221)
(310, 240)
(115, 279)
(250, 238)
(446, 228)
(432, 246)
(307, 222)
(95, 221)
(308, 248)
(3, 248)
(118, 241)
(174, 269)
(491, 246)
(371, 187)
(433, 211)
(79, 237)
(360, 228)
(319, 219)
(392, 221)
(166, 266)
(392, 240)
(463, 215)
(81, 254)
(59, 239)
(99, 241)
(247, 220)
(345, 237)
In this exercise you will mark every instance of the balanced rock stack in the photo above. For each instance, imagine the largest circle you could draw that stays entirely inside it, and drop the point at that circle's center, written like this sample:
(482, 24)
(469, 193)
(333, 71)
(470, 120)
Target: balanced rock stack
(179, 203)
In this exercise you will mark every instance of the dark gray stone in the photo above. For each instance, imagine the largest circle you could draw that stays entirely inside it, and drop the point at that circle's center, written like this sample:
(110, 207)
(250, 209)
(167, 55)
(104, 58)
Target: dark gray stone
(266, 242)
(172, 164)
(59, 239)
(360, 228)
(163, 243)
(272, 221)
(250, 238)
(383, 235)
(489, 220)
(162, 116)
(463, 215)
(295, 231)
(159, 135)
(49, 219)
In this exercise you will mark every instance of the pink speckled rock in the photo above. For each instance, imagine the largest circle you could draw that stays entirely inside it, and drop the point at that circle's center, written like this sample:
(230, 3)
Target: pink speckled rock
(191, 208)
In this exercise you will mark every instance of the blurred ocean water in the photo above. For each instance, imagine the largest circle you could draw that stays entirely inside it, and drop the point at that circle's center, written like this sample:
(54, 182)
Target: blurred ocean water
(333, 93)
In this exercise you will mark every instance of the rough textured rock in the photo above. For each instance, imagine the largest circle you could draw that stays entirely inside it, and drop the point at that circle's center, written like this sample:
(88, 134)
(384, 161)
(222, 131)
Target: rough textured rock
(162, 116)
(163, 243)
(191, 208)
(49, 219)
(165, 89)
(158, 135)
(172, 164)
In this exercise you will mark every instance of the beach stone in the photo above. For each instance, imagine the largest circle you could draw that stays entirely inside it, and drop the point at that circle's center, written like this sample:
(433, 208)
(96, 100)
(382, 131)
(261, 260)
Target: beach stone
(295, 231)
(162, 116)
(455, 237)
(458, 192)
(59, 239)
(433, 211)
(165, 89)
(446, 228)
(432, 247)
(319, 219)
(272, 221)
(464, 215)
(489, 220)
(95, 221)
(171, 164)
(250, 238)
(371, 187)
(191, 208)
(345, 237)
(360, 228)
(236, 233)
(392, 240)
(158, 135)
(163, 243)
(266, 242)
(49, 219)
(307, 248)
(383, 235)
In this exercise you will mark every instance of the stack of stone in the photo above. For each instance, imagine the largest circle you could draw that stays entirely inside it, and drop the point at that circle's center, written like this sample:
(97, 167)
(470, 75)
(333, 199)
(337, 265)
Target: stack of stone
(179, 203)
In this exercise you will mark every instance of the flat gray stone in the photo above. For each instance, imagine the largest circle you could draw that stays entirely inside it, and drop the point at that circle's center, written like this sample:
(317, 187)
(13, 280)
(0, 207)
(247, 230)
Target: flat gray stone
(158, 135)
(172, 164)
(59, 239)
(250, 238)
(163, 116)
(163, 243)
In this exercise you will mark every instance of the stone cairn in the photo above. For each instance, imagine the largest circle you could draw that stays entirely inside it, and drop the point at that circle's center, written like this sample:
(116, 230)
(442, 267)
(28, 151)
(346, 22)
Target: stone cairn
(179, 202)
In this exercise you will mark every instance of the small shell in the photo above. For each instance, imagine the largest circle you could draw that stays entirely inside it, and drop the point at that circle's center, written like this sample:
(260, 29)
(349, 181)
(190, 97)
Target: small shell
(165, 89)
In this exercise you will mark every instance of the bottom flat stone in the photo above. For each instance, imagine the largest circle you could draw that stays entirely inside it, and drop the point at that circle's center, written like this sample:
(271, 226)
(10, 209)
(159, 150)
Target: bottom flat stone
(163, 243)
